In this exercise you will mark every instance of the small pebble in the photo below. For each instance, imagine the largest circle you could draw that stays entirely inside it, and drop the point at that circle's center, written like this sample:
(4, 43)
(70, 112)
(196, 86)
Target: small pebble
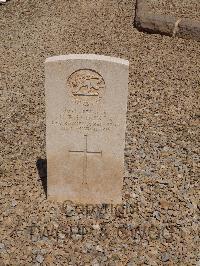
(95, 263)
(14, 203)
(77, 237)
(34, 238)
(96, 226)
(39, 258)
(61, 236)
(198, 263)
(131, 263)
(166, 234)
(165, 257)
(156, 214)
(89, 246)
(70, 211)
(104, 258)
(35, 251)
(2, 246)
(99, 248)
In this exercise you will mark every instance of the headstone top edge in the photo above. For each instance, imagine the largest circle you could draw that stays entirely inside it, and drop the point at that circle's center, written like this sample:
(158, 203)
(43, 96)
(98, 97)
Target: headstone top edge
(87, 57)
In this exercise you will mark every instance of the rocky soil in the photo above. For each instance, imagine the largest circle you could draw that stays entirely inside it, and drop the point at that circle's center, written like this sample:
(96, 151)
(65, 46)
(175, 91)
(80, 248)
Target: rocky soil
(158, 221)
(177, 8)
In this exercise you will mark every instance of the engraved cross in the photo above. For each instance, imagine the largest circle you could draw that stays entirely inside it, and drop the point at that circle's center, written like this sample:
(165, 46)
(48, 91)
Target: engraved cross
(85, 153)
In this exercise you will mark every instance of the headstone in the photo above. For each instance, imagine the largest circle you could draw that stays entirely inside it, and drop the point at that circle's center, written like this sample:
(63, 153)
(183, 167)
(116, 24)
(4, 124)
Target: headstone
(86, 103)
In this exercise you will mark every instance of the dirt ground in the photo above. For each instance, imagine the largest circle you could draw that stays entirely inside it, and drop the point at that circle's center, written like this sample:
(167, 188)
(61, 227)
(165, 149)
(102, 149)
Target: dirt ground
(161, 156)
(178, 8)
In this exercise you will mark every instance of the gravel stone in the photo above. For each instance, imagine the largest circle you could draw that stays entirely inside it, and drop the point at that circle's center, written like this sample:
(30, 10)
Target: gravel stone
(2, 246)
(179, 8)
(99, 248)
(14, 203)
(89, 245)
(70, 211)
(39, 258)
(95, 263)
(198, 263)
(77, 237)
(166, 234)
(165, 257)
(156, 214)
(131, 263)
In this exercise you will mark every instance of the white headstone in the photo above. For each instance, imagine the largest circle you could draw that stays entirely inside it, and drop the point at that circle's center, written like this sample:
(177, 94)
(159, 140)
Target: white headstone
(86, 104)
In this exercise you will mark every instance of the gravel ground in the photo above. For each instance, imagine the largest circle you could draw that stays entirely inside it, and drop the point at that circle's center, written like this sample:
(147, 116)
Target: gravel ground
(178, 8)
(158, 223)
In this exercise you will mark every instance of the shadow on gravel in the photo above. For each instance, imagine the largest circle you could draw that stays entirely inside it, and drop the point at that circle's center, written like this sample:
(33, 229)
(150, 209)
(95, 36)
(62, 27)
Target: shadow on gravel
(42, 171)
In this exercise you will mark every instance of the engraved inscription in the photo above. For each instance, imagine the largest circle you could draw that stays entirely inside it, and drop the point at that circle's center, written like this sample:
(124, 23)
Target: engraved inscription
(85, 154)
(88, 120)
(86, 84)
